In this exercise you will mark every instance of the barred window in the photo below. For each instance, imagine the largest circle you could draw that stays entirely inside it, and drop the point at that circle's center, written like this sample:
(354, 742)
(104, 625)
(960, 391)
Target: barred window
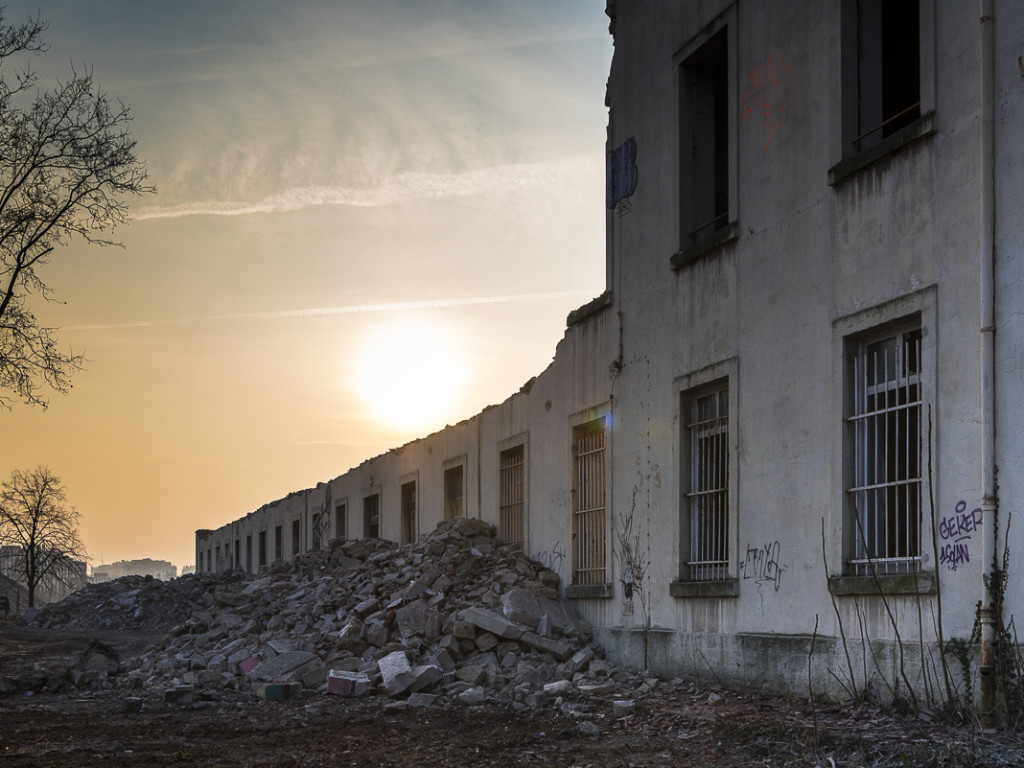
(706, 538)
(588, 493)
(511, 472)
(884, 434)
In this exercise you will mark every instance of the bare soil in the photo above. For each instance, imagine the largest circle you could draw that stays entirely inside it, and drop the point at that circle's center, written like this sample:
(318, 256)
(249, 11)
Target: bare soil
(674, 724)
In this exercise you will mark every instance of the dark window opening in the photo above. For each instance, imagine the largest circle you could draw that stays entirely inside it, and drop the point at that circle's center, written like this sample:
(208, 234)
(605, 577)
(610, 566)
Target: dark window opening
(408, 512)
(706, 138)
(453, 493)
(888, 69)
(371, 516)
(277, 543)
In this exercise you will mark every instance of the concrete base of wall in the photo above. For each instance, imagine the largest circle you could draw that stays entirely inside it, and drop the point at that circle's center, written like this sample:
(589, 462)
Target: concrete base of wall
(782, 664)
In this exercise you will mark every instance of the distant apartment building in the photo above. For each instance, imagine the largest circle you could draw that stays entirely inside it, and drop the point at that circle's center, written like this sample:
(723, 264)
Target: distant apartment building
(767, 453)
(67, 576)
(158, 569)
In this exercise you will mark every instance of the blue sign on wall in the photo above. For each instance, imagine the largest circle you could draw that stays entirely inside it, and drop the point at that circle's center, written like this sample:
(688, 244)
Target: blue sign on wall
(620, 173)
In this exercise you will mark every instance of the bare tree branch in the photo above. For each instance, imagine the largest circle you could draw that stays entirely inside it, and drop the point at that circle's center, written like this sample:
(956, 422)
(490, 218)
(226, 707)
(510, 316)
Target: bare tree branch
(67, 165)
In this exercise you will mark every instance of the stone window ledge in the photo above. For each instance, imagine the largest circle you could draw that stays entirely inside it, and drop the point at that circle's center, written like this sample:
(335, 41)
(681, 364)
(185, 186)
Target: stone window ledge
(588, 591)
(901, 584)
(921, 128)
(724, 588)
(725, 235)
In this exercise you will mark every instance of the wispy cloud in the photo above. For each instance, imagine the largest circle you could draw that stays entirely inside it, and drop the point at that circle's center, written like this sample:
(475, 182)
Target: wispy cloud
(396, 189)
(399, 306)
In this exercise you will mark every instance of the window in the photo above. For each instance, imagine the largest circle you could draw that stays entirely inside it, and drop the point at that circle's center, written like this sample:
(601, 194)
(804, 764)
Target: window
(511, 470)
(371, 516)
(884, 438)
(248, 553)
(705, 530)
(296, 538)
(263, 549)
(340, 521)
(588, 494)
(453, 492)
(888, 73)
(707, 139)
(238, 553)
(408, 532)
(317, 531)
(278, 542)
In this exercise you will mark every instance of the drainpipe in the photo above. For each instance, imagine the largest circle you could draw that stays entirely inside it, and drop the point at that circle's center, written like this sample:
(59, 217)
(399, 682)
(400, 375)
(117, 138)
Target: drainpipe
(986, 259)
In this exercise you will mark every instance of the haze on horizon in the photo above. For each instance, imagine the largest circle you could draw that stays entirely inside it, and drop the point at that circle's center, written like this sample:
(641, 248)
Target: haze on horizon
(371, 221)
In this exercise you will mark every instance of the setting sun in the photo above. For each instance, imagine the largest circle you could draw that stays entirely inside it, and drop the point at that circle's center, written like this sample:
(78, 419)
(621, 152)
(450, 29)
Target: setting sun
(411, 372)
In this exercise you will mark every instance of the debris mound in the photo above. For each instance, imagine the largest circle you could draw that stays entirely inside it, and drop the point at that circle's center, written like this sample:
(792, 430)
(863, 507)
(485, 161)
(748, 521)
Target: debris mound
(130, 603)
(455, 618)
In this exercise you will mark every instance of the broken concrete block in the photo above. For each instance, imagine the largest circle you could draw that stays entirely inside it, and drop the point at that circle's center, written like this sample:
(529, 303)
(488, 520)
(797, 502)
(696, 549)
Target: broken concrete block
(444, 660)
(475, 695)
(486, 641)
(343, 683)
(581, 659)
(278, 691)
(412, 618)
(558, 688)
(422, 699)
(368, 606)
(425, 676)
(179, 694)
(557, 648)
(474, 674)
(495, 623)
(396, 673)
(464, 630)
(288, 666)
(621, 708)
(248, 665)
(521, 606)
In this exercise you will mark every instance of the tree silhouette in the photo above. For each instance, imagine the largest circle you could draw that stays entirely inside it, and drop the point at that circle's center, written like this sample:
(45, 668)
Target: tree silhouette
(67, 163)
(39, 540)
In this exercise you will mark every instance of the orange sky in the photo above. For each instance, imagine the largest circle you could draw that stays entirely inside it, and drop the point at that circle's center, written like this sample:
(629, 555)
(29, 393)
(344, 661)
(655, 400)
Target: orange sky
(360, 206)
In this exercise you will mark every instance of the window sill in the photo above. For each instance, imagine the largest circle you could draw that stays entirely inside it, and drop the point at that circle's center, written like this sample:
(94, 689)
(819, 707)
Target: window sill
(902, 584)
(588, 591)
(921, 128)
(727, 234)
(726, 588)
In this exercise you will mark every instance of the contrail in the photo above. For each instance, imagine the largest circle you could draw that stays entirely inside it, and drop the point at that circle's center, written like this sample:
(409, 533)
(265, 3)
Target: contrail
(322, 311)
(397, 189)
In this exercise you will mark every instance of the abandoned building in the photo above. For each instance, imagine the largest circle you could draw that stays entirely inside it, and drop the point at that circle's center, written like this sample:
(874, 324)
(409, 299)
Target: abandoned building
(61, 579)
(767, 454)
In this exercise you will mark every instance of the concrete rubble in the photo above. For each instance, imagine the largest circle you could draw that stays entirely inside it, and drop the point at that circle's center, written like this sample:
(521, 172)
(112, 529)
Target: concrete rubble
(455, 618)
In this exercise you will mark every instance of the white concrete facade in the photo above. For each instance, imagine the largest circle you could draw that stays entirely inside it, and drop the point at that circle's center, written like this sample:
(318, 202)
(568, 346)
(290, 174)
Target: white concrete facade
(827, 237)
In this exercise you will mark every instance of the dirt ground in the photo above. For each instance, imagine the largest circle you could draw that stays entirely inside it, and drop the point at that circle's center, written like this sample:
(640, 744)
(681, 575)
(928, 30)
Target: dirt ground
(675, 724)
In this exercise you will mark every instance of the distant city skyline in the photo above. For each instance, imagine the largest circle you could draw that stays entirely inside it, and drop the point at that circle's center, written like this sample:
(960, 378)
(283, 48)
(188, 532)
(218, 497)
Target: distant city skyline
(371, 220)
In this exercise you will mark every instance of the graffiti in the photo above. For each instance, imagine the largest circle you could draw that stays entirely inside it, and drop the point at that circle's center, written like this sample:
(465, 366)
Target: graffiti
(620, 173)
(762, 565)
(552, 558)
(768, 92)
(955, 530)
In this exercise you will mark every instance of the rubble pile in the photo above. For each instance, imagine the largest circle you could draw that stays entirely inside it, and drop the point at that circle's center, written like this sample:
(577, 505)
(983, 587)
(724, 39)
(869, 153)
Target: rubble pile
(131, 603)
(455, 617)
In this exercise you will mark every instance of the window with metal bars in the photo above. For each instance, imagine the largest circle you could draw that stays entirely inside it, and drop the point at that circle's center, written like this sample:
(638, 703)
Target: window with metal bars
(884, 434)
(511, 474)
(706, 538)
(588, 494)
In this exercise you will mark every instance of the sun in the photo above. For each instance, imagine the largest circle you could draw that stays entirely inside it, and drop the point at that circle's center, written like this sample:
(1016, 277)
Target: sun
(411, 372)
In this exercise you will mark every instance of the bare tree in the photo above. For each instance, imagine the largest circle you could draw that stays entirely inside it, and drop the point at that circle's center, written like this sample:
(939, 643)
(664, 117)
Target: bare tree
(39, 531)
(67, 163)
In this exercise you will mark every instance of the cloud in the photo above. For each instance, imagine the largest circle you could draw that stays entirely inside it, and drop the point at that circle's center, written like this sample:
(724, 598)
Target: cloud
(400, 188)
(356, 309)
